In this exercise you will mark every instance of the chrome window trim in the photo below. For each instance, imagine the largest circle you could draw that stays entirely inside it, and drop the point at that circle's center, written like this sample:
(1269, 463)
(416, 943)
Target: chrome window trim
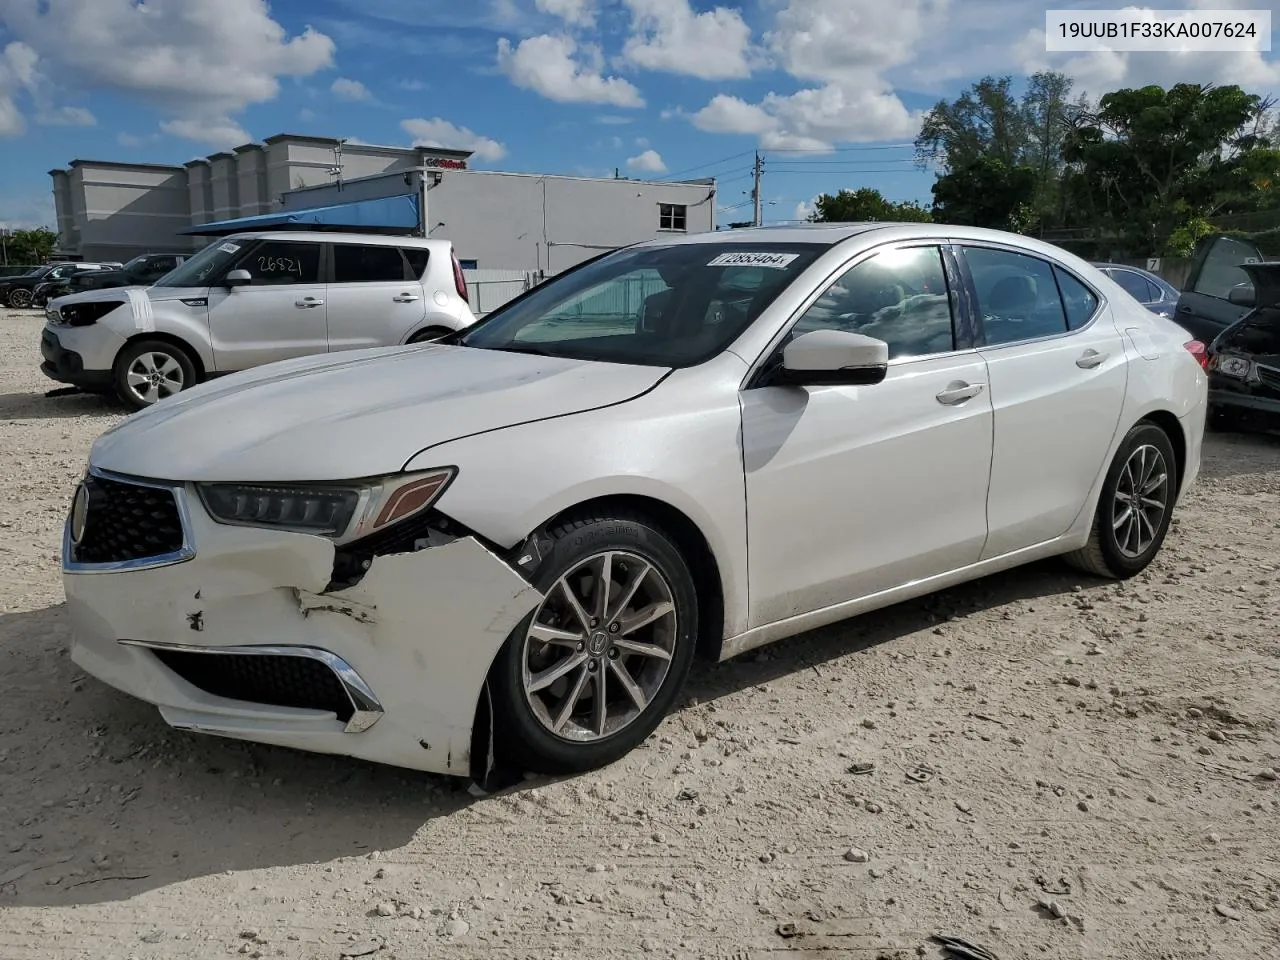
(939, 243)
(960, 245)
(368, 710)
(181, 555)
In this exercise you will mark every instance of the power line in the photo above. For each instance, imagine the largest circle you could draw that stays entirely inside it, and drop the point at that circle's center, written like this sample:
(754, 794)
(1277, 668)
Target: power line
(879, 146)
(703, 166)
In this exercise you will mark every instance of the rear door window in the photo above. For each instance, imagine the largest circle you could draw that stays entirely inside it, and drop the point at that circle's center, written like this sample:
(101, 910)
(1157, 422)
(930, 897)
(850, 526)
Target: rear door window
(1135, 285)
(357, 263)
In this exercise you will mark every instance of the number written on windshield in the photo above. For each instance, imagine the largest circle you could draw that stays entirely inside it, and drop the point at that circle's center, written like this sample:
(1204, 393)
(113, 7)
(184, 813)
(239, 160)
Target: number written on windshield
(278, 265)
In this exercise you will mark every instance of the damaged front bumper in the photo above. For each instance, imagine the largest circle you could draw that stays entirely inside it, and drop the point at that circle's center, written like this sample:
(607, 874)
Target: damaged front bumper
(240, 634)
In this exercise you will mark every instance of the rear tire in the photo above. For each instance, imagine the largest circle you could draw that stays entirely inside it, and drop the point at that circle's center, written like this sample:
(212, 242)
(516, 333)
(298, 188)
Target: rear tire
(636, 644)
(1135, 508)
(19, 299)
(147, 371)
(429, 334)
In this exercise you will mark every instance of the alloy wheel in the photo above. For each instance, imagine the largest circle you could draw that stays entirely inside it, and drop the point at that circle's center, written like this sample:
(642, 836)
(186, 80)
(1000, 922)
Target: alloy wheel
(1141, 500)
(19, 299)
(600, 646)
(153, 376)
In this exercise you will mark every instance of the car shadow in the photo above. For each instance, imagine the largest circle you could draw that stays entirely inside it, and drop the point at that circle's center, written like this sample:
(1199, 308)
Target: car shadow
(42, 406)
(102, 801)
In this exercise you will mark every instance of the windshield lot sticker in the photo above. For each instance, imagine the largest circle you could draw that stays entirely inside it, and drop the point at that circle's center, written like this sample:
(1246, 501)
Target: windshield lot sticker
(775, 261)
(228, 247)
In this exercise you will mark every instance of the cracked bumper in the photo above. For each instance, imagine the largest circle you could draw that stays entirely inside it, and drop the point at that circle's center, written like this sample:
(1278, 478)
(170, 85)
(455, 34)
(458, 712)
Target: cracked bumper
(410, 644)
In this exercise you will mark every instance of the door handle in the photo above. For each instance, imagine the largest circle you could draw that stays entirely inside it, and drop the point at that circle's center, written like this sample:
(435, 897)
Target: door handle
(308, 302)
(1091, 359)
(405, 298)
(1184, 309)
(958, 392)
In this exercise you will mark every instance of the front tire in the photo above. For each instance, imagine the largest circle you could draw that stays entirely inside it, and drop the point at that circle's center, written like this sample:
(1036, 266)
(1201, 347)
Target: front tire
(1135, 508)
(591, 672)
(148, 371)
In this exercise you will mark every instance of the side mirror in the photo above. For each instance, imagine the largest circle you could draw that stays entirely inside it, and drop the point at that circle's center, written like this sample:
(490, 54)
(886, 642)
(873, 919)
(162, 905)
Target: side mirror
(834, 357)
(238, 278)
(1243, 295)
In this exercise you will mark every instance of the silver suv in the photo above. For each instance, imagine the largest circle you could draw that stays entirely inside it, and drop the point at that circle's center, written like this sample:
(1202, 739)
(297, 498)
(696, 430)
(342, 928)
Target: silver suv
(250, 299)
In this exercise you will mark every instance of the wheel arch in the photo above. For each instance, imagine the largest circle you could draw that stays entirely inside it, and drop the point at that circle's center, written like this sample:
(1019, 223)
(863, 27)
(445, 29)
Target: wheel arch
(173, 340)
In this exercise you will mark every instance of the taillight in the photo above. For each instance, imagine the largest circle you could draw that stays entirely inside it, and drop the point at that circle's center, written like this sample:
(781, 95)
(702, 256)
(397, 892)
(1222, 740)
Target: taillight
(1200, 352)
(459, 281)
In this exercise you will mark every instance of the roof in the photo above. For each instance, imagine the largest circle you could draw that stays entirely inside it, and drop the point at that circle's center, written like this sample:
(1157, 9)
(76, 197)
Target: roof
(336, 236)
(386, 215)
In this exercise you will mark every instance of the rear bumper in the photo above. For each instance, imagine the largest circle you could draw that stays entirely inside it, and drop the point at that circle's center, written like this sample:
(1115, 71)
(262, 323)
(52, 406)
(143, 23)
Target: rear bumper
(67, 366)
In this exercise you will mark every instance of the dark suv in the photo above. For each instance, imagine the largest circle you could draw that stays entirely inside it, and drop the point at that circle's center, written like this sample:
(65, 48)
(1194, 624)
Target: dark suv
(141, 271)
(1244, 359)
(19, 292)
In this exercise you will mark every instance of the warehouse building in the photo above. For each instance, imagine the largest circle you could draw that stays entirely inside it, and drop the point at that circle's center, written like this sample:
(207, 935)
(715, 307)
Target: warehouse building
(510, 222)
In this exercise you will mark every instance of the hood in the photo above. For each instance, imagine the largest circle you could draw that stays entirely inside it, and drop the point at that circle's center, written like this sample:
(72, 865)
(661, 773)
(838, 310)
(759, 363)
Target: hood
(354, 414)
(152, 293)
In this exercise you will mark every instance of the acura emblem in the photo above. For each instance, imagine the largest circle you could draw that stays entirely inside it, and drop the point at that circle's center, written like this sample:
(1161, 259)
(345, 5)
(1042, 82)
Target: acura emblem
(79, 513)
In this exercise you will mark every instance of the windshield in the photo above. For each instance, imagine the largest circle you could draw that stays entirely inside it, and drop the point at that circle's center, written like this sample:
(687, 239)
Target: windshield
(201, 269)
(671, 306)
(38, 271)
(135, 262)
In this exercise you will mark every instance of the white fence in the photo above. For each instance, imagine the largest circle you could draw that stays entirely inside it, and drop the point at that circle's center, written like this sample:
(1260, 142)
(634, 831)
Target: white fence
(490, 289)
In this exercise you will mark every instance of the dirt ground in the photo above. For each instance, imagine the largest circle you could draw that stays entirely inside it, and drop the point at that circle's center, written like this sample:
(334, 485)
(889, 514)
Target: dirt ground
(1104, 784)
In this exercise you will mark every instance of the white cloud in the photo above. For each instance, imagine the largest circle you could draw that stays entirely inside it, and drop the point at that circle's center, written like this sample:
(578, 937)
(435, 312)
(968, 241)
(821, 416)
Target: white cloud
(668, 36)
(350, 90)
(17, 73)
(845, 47)
(578, 12)
(804, 209)
(551, 66)
(445, 135)
(648, 162)
(642, 142)
(307, 115)
(66, 117)
(223, 132)
(198, 61)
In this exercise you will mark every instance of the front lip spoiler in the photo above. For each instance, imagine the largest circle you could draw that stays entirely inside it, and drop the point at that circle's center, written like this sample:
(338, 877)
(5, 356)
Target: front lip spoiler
(367, 709)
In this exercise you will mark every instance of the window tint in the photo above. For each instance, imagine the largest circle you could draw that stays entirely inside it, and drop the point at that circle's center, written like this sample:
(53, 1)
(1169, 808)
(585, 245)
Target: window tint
(1017, 296)
(672, 216)
(353, 263)
(1221, 270)
(898, 296)
(283, 261)
(1079, 301)
(417, 258)
(1134, 284)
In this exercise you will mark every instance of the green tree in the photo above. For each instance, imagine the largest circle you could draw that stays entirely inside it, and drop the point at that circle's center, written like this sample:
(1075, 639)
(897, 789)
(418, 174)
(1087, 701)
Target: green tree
(29, 246)
(985, 122)
(866, 203)
(1149, 162)
(986, 192)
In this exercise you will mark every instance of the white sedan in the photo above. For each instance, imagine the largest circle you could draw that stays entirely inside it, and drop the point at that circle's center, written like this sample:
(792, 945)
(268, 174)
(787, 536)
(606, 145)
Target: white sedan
(508, 547)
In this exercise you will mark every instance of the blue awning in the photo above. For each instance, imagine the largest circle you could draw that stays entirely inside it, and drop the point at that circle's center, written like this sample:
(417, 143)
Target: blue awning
(397, 215)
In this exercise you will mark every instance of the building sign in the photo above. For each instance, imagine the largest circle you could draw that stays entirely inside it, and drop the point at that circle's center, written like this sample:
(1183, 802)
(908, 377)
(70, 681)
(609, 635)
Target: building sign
(445, 163)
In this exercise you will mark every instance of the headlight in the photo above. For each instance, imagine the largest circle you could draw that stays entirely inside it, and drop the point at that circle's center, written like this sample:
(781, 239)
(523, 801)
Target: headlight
(340, 511)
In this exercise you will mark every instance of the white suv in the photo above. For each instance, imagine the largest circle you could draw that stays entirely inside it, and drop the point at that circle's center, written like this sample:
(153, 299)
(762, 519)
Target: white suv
(250, 299)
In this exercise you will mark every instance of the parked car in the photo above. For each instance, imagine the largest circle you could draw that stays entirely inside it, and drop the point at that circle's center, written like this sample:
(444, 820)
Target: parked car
(1244, 360)
(1151, 290)
(525, 530)
(141, 271)
(1205, 307)
(251, 299)
(17, 292)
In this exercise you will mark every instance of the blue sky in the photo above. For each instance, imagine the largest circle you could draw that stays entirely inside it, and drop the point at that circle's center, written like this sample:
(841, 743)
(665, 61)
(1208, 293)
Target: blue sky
(830, 91)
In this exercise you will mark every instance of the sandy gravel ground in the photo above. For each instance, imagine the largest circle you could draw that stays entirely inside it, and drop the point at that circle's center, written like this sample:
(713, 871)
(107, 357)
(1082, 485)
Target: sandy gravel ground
(1103, 758)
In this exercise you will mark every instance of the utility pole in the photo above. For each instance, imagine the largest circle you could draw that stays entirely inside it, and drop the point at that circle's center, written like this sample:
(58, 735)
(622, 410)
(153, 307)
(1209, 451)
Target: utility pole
(756, 170)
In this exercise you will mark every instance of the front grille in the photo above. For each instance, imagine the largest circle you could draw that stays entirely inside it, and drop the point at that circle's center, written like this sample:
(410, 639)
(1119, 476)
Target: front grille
(1269, 375)
(281, 681)
(126, 521)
